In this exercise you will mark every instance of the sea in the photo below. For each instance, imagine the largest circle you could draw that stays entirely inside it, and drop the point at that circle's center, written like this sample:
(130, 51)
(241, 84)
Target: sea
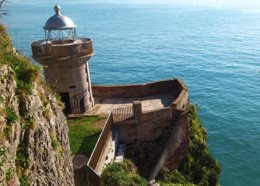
(214, 50)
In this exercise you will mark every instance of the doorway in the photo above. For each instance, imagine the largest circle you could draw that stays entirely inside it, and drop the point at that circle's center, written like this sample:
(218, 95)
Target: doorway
(65, 98)
(82, 105)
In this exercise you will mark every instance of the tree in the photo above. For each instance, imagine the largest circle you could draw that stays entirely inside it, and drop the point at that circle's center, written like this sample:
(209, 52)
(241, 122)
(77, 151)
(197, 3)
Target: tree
(2, 10)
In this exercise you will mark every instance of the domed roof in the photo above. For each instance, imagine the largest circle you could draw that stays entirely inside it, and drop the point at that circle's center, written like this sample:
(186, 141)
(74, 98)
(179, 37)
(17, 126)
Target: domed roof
(58, 21)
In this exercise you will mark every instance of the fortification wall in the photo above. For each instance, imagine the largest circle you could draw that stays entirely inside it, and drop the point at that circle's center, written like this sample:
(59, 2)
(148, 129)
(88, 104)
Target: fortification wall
(176, 147)
(150, 124)
(174, 86)
(145, 126)
(149, 127)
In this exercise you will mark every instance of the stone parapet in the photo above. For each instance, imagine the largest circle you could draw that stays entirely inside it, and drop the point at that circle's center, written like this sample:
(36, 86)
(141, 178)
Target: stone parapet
(174, 86)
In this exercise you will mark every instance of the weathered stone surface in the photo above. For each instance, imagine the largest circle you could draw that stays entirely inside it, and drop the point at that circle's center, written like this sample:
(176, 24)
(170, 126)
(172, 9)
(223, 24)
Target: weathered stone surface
(34, 147)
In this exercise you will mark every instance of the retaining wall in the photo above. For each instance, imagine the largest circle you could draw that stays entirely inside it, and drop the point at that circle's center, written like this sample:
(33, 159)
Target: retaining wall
(97, 159)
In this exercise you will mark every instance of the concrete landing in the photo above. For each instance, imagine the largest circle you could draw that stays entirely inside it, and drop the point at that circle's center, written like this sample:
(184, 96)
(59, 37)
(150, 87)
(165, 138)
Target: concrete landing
(106, 105)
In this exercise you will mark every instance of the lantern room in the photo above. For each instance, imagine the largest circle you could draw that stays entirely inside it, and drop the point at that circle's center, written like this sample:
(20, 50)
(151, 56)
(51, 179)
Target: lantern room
(59, 28)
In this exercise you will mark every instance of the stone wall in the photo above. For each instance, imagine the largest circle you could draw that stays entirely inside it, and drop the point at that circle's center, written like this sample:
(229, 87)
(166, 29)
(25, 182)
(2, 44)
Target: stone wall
(180, 103)
(104, 151)
(149, 127)
(176, 147)
(174, 86)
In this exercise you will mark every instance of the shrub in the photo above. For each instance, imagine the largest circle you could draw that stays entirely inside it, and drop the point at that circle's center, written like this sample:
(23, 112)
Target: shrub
(46, 112)
(8, 175)
(2, 156)
(25, 72)
(24, 181)
(172, 177)
(10, 115)
(121, 174)
(8, 132)
(22, 159)
(22, 156)
(2, 151)
(55, 143)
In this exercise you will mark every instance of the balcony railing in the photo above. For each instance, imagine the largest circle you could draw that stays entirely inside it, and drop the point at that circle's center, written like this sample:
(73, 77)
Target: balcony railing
(62, 48)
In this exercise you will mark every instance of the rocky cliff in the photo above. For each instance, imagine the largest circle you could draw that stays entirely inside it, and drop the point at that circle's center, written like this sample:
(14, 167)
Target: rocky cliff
(34, 145)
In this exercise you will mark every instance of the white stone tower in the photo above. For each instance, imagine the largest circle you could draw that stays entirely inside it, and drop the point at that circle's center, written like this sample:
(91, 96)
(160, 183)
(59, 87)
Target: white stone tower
(65, 62)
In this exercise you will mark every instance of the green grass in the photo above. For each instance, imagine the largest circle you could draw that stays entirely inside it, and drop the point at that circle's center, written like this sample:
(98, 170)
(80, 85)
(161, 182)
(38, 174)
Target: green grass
(83, 134)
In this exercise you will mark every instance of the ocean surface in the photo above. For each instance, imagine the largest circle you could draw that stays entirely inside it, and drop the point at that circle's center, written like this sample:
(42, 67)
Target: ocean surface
(216, 51)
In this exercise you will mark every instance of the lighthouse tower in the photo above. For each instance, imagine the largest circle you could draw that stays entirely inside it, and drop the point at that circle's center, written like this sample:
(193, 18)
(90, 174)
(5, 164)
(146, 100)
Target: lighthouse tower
(65, 57)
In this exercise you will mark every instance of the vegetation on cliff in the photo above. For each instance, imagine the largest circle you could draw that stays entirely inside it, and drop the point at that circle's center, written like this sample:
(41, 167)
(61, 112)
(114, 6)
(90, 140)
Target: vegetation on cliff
(25, 72)
(199, 167)
(34, 147)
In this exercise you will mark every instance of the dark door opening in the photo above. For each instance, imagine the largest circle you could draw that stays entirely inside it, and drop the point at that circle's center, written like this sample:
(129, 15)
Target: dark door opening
(82, 106)
(65, 98)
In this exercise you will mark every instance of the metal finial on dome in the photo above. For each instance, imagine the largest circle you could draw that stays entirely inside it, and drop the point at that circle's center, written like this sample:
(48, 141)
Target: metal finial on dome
(57, 9)
(59, 21)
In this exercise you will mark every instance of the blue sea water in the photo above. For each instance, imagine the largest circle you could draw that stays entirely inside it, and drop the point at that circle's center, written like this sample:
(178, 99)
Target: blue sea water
(216, 51)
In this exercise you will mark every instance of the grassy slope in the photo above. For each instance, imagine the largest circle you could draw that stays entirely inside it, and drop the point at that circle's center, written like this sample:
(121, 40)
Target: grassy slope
(83, 134)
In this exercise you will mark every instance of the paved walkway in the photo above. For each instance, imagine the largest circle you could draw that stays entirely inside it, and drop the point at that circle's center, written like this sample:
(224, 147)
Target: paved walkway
(106, 105)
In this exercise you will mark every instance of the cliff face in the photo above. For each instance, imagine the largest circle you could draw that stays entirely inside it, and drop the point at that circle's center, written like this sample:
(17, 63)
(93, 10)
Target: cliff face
(34, 146)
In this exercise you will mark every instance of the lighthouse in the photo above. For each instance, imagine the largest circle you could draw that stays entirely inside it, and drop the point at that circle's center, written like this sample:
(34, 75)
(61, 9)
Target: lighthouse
(65, 58)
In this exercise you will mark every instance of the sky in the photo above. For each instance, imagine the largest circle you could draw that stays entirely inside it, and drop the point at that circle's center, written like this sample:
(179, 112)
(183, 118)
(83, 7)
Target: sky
(255, 4)
(216, 3)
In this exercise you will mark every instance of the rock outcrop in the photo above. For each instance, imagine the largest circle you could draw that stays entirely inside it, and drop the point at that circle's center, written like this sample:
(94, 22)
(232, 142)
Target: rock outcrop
(34, 144)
